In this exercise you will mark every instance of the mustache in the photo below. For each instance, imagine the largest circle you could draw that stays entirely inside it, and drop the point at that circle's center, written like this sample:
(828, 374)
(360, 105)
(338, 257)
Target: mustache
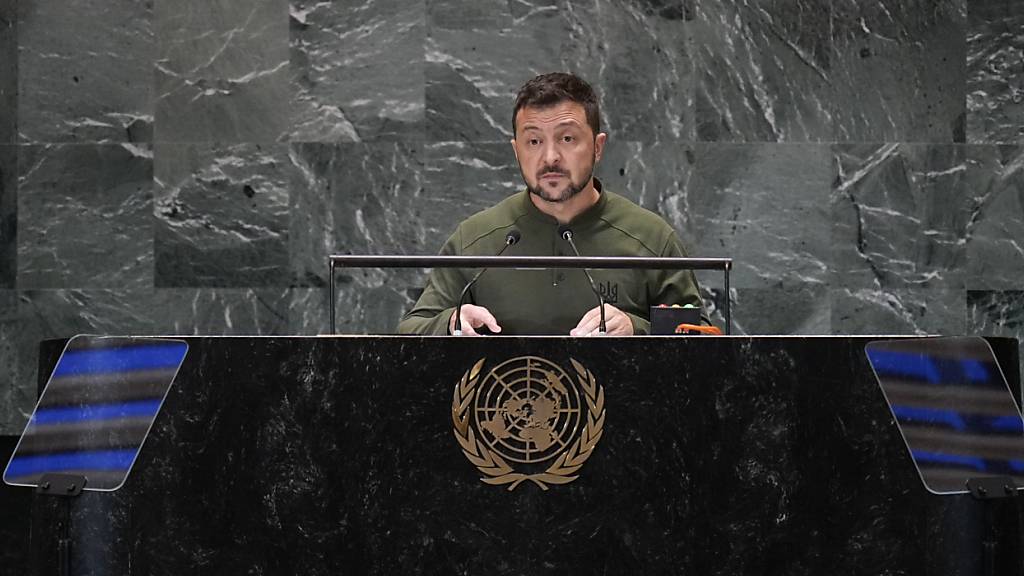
(551, 170)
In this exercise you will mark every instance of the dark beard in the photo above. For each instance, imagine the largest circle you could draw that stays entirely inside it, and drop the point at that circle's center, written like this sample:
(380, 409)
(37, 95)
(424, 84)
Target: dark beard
(573, 189)
(568, 193)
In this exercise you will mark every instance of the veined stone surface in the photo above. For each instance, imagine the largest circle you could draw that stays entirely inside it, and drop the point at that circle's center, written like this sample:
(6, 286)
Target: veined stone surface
(85, 71)
(765, 206)
(997, 313)
(995, 71)
(188, 166)
(8, 72)
(357, 70)
(899, 70)
(8, 215)
(221, 215)
(763, 70)
(995, 242)
(479, 54)
(898, 311)
(85, 216)
(222, 71)
(900, 216)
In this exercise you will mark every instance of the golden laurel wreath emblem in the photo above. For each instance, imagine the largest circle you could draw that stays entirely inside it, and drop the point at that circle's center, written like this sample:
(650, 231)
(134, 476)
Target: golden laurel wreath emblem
(528, 411)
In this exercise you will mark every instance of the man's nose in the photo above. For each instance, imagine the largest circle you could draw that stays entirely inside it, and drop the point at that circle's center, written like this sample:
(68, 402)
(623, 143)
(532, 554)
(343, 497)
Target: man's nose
(552, 156)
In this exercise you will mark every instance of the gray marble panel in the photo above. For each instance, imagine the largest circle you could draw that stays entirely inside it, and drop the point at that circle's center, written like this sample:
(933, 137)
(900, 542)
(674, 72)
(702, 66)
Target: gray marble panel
(995, 71)
(765, 206)
(224, 311)
(85, 216)
(654, 176)
(308, 313)
(357, 70)
(997, 313)
(85, 71)
(762, 70)
(16, 394)
(768, 311)
(900, 216)
(222, 71)
(222, 215)
(634, 54)
(386, 199)
(8, 71)
(995, 242)
(900, 311)
(760, 311)
(462, 179)
(357, 199)
(8, 215)
(899, 70)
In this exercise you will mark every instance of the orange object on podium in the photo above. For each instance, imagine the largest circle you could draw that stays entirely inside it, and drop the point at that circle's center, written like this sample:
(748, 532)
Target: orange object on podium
(698, 329)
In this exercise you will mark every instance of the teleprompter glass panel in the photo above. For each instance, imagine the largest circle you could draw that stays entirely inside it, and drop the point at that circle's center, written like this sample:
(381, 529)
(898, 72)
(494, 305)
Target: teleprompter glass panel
(953, 407)
(96, 410)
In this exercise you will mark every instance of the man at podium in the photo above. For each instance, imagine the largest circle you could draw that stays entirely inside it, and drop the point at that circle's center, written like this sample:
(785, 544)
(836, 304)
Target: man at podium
(557, 143)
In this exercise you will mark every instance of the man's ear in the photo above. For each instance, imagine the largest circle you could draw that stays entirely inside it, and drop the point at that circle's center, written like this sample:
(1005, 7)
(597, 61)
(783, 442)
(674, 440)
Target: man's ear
(599, 146)
(514, 151)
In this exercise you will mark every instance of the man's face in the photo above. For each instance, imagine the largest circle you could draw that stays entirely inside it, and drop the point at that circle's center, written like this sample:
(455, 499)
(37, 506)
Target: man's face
(556, 150)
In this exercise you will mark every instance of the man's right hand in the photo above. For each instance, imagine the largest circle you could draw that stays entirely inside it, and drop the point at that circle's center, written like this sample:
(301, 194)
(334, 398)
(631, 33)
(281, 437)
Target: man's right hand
(474, 317)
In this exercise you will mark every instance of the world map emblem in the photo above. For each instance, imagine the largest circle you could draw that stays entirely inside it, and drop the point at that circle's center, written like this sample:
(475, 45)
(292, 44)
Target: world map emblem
(528, 419)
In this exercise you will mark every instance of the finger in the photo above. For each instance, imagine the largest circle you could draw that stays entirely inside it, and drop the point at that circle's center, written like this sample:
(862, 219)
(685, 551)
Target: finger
(578, 330)
(595, 328)
(617, 321)
(482, 317)
(590, 323)
(487, 318)
(477, 316)
(619, 325)
(467, 325)
(625, 326)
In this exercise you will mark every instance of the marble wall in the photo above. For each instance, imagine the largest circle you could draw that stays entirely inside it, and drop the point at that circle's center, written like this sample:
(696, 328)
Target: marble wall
(185, 166)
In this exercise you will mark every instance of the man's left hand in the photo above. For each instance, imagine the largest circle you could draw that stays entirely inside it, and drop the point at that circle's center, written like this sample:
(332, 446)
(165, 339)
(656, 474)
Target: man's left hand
(617, 322)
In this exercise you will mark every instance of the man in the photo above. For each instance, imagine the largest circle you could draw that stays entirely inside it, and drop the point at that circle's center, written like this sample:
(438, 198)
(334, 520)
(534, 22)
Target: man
(557, 142)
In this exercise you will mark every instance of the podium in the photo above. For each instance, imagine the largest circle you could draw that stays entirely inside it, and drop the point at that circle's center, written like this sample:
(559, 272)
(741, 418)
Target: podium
(338, 455)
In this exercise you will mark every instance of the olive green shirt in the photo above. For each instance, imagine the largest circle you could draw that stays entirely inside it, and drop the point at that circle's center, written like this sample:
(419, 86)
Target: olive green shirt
(554, 301)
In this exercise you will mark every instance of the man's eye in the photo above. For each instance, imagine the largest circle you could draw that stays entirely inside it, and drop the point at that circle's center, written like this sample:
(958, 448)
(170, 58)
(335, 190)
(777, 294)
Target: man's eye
(568, 139)
(534, 141)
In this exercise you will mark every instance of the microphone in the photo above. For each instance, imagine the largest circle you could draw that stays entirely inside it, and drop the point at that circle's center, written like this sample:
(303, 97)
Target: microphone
(566, 233)
(511, 239)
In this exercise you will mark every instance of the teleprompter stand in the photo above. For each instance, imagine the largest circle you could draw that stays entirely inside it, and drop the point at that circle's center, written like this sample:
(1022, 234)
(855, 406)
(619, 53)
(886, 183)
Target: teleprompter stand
(64, 487)
(952, 404)
(986, 490)
(91, 422)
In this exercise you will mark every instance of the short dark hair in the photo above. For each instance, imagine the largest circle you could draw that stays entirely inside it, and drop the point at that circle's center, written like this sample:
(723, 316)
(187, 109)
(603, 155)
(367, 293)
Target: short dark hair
(557, 87)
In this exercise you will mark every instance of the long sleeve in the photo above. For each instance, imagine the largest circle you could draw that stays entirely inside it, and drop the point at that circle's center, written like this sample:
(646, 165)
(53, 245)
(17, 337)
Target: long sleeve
(436, 305)
(671, 286)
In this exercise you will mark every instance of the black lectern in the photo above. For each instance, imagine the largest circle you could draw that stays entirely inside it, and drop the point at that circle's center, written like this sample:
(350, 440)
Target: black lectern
(343, 455)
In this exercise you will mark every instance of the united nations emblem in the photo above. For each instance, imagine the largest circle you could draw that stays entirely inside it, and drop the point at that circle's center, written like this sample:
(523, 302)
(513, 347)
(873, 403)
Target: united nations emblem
(528, 412)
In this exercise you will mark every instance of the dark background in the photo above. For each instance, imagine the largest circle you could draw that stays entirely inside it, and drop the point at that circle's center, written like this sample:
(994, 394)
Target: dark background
(185, 167)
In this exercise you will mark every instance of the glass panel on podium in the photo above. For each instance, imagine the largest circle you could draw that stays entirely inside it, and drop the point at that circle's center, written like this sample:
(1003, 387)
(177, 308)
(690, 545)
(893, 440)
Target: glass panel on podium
(96, 410)
(954, 409)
